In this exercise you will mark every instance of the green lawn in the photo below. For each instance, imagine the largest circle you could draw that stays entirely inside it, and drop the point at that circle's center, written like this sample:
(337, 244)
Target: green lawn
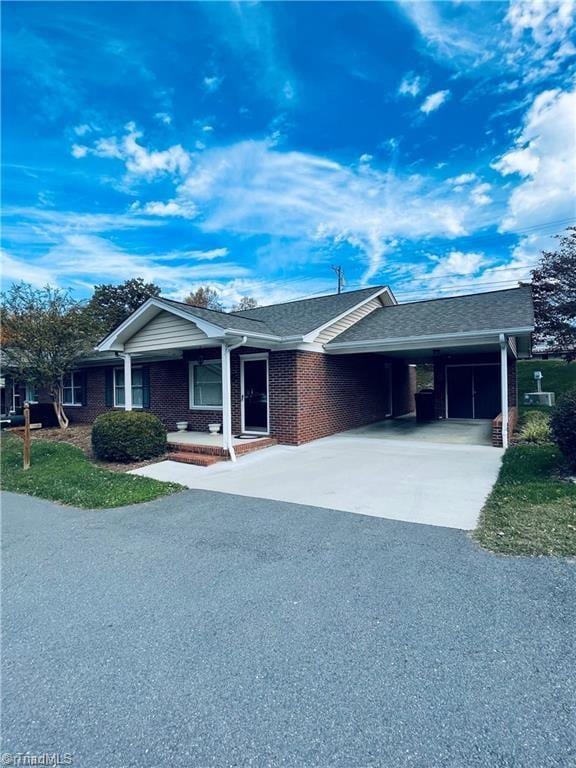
(532, 507)
(61, 472)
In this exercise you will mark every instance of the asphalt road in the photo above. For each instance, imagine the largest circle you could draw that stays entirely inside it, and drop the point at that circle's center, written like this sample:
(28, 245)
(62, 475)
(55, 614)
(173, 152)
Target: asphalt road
(208, 630)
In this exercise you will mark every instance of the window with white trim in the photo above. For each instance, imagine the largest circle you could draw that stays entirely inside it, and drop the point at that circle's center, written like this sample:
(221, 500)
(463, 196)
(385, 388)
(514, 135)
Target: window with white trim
(31, 394)
(137, 388)
(206, 384)
(72, 389)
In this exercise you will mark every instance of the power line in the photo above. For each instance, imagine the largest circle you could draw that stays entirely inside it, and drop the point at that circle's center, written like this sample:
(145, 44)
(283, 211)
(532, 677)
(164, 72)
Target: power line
(340, 274)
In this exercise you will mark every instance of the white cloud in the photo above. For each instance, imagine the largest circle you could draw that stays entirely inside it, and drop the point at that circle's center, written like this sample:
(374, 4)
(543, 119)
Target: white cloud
(288, 90)
(207, 128)
(541, 31)
(213, 83)
(411, 85)
(80, 261)
(171, 208)
(434, 101)
(82, 130)
(464, 178)
(139, 160)
(79, 151)
(366, 158)
(15, 270)
(530, 41)
(523, 161)
(252, 188)
(479, 194)
(163, 117)
(544, 156)
(457, 263)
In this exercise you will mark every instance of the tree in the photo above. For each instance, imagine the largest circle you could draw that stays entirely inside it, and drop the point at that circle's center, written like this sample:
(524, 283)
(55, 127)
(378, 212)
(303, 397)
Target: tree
(205, 297)
(246, 302)
(554, 292)
(45, 333)
(111, 304)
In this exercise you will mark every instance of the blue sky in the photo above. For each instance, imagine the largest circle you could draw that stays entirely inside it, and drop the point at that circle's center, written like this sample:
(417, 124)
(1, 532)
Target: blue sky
(250, 146)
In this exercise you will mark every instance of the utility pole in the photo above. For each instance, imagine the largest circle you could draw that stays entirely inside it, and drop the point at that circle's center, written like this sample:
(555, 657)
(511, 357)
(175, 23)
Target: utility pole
(340, 274)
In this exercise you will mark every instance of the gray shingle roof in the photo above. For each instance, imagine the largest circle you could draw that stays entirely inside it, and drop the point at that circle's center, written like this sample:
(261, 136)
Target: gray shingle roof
(296, 318)
(493, 311)
(223, 320)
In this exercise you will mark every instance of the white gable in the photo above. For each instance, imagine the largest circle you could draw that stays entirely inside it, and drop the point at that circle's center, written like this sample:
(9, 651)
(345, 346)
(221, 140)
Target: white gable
(346, 322)
(165, 331)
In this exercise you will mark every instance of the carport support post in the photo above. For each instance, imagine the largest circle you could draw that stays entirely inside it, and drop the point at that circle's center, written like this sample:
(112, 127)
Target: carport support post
(504, 387)
(127, 381)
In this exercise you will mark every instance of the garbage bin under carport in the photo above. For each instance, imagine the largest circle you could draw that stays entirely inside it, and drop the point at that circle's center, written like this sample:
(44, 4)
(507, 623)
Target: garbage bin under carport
(424, 405)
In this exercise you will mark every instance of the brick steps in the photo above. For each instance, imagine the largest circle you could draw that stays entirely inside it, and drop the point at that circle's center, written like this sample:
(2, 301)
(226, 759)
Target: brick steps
(205, 450)
(254, 445)
(198, 459)
(206, 455)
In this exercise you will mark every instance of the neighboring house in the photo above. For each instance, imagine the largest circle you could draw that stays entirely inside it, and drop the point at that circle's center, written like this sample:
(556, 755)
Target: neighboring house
(307, 369)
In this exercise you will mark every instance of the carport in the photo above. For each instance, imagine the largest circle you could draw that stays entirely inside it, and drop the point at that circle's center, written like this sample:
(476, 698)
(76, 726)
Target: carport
(443, 431)
(472, 342)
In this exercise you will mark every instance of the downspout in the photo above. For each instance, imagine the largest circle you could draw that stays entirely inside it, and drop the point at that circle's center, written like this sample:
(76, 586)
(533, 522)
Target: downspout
(227, 396)
(504, 387)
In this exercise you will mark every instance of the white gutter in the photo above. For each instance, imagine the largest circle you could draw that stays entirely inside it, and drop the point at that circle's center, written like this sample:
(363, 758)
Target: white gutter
(227, 396)
(414, 341)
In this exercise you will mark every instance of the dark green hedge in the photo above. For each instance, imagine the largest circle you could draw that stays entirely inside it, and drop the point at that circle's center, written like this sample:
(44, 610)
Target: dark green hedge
(563, 425)
(128, 436)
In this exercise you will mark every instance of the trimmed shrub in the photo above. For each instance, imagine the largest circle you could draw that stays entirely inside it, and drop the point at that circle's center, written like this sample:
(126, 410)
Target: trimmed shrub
(536, 428)
(128, 436)
(563, 425)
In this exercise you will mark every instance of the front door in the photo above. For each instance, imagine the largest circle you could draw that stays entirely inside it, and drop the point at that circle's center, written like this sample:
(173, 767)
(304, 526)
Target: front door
(473, 391)
(486, 391)
(255, 395)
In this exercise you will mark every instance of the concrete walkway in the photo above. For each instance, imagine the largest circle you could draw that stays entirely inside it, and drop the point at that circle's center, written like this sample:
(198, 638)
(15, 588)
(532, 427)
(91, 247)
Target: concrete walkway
(436, 484)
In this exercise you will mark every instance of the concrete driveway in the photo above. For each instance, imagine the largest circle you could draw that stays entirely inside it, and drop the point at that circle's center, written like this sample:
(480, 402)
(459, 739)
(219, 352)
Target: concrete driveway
(436, 484)
(208, 630)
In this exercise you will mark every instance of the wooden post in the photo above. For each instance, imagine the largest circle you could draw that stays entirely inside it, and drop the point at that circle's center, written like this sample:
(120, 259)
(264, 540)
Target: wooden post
(27, 441)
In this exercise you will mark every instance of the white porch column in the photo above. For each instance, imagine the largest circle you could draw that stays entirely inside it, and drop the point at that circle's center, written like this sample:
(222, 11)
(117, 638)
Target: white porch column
(504, 387)
(227, 442)
(226, 404)
(127, 382)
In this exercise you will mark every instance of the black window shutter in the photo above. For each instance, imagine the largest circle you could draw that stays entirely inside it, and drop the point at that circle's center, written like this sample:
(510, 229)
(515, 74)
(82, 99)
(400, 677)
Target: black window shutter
(84, 398)
(108, 385)
(146, 387)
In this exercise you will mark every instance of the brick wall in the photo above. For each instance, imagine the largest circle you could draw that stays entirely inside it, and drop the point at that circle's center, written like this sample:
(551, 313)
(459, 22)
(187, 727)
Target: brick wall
(168, 395)
(318, 395)
(311, 395)
(497, 426)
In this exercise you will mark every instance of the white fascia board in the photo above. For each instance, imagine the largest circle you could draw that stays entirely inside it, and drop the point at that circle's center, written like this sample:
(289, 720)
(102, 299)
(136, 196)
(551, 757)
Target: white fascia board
(313, 334)
(415, 342)
(115, 340)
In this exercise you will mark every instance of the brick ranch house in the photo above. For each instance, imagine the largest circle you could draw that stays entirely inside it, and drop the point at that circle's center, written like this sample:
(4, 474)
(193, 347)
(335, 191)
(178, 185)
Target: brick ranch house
(307, 369)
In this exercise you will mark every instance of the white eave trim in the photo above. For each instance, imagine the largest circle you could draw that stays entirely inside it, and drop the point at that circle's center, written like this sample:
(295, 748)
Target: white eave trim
(413, 342)
(112, 341)
(311, 335)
